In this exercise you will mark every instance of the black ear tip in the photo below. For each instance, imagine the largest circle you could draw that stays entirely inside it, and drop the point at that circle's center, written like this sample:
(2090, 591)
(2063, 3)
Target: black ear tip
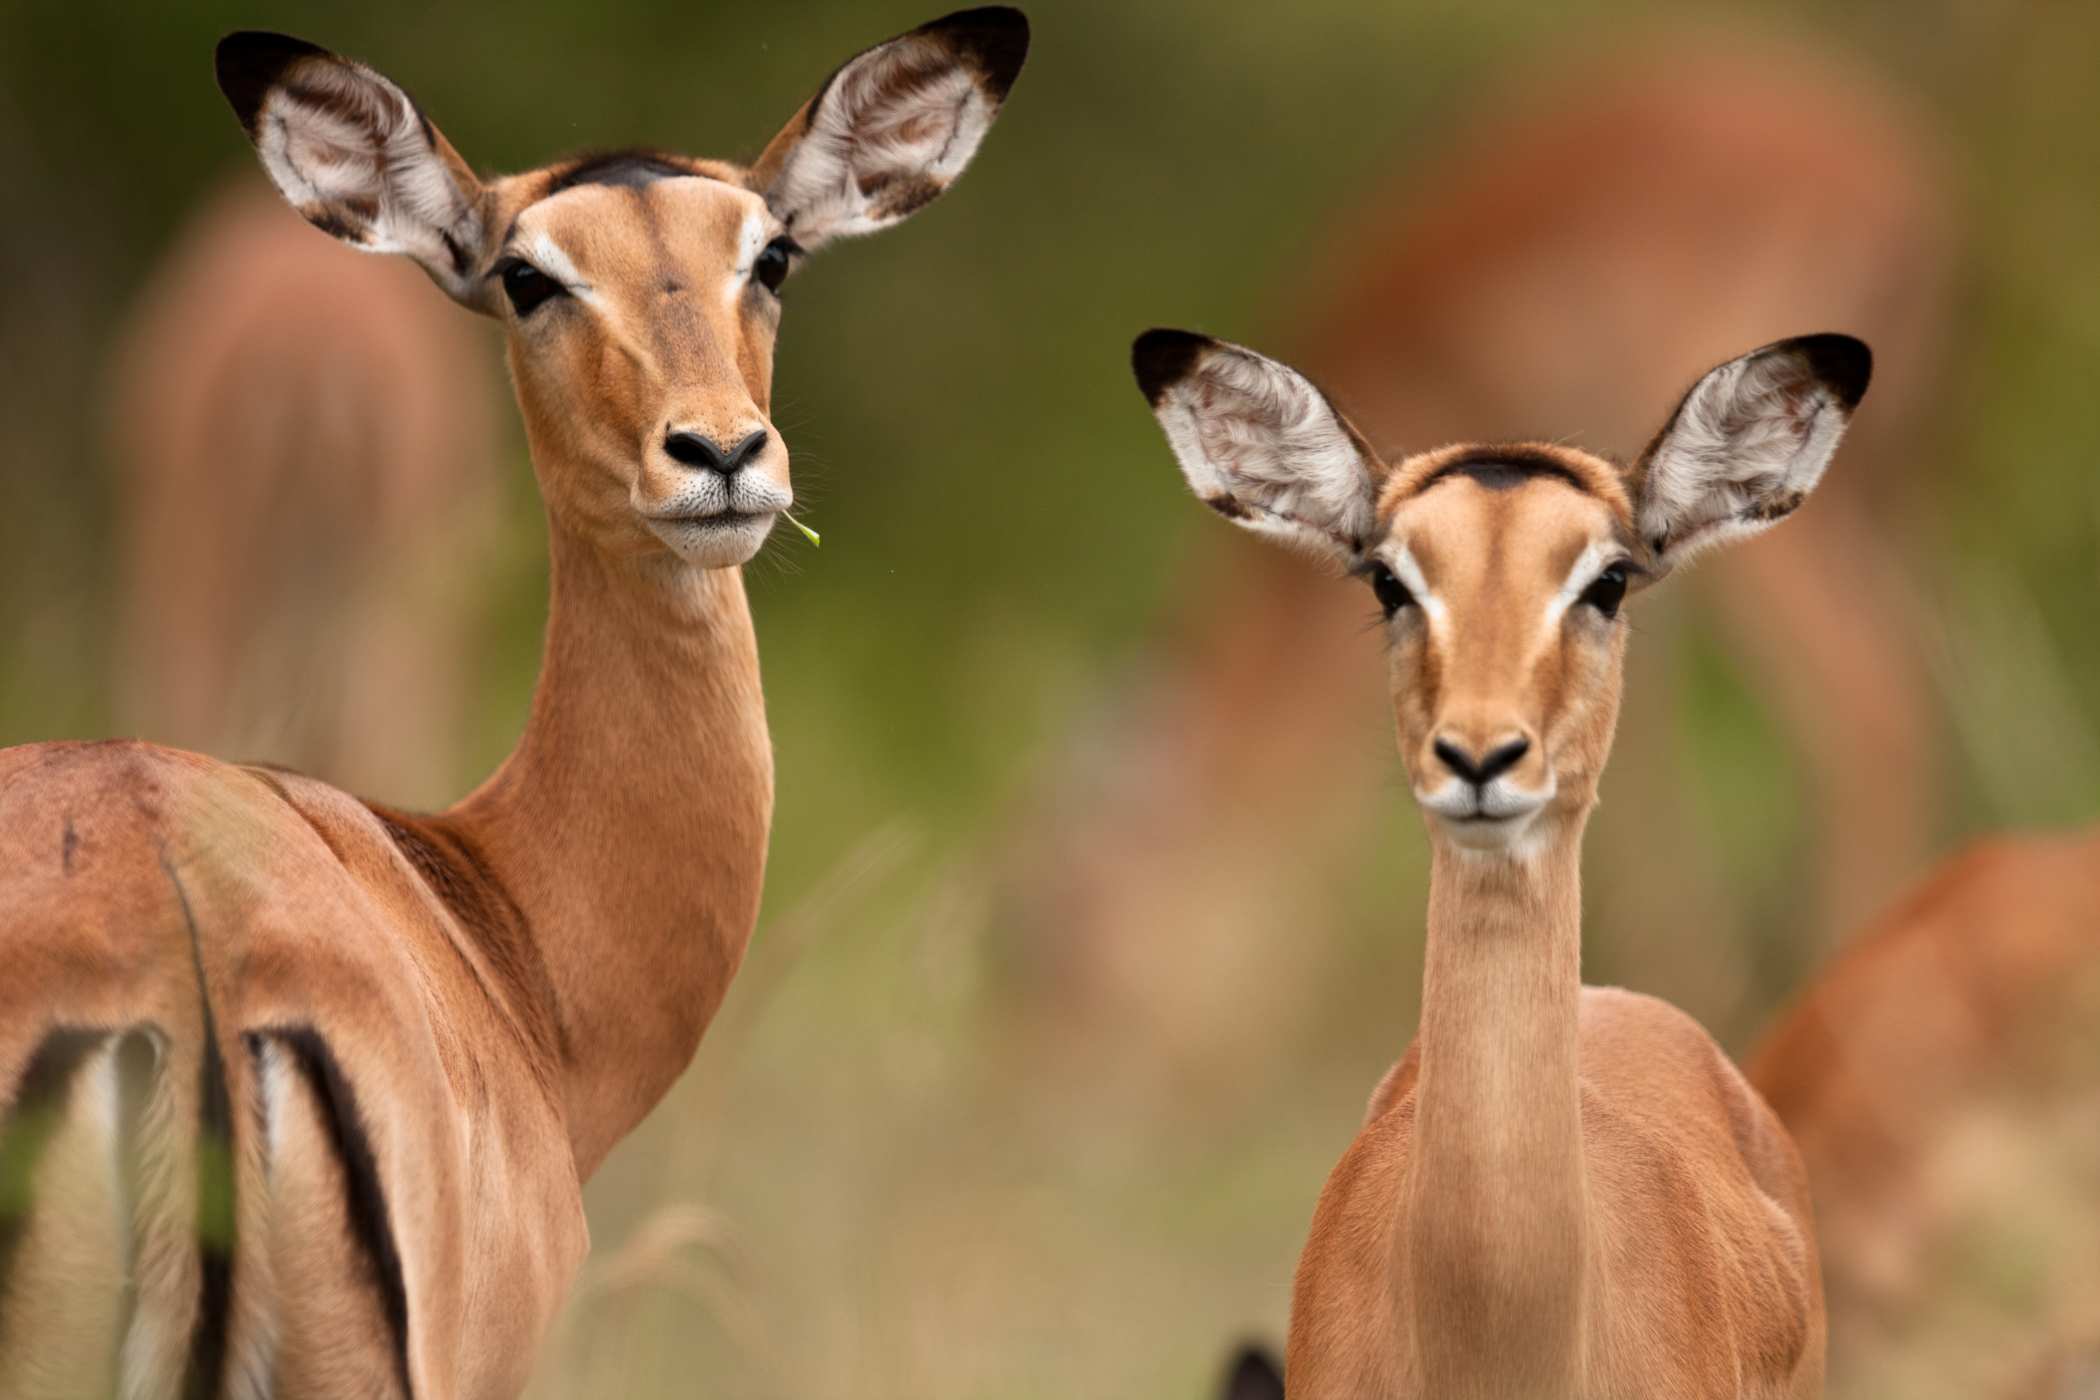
(994, 36)
(1162, 358)
(248, 61)
(1840, 361)
(1253, 1375)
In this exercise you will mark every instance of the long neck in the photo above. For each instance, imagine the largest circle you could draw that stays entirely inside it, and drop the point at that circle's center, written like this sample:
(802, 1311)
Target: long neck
(629, 826)
(1496, 1224)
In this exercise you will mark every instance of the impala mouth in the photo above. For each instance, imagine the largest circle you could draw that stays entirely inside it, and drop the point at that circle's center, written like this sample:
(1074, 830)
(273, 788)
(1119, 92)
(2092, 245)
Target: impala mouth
(717, 520)
(716, 538)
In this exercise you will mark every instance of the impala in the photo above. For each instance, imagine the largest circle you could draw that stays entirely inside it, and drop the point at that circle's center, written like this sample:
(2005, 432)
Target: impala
(1939, 1079)
(299, 1091)
(306, 439)
(1702, 198)
(1559, 1190)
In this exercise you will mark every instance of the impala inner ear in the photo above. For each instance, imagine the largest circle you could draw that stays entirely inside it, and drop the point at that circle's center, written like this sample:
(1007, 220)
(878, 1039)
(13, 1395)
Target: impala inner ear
(892, 129)
(1747, 444)
(1259, 443)
(354, 154)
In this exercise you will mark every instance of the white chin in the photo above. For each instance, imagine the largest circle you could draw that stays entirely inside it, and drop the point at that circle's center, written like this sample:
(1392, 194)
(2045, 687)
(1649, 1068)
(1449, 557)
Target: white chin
(715, 541)
(1488, 834)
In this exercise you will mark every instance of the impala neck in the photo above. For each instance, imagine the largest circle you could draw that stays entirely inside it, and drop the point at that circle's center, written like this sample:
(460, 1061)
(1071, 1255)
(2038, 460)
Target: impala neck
(1496, 1224)
(629, 825)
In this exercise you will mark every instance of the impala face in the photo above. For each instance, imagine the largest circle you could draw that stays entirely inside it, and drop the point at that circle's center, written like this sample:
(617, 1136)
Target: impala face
(640, 289)
(641, 314)
(1501, 573)
(1501, 570)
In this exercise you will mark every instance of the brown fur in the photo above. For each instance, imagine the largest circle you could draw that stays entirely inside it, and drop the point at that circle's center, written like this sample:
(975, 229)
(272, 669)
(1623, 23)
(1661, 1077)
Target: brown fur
(305, 438)
(507, 987)
(1559, 1190)
(1939, 1079)
(1585, 240)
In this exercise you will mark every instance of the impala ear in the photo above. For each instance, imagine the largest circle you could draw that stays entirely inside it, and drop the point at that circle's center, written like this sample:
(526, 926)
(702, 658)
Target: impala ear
(354, 154)
(889, 131)
(1747, 444)
(1259, 444)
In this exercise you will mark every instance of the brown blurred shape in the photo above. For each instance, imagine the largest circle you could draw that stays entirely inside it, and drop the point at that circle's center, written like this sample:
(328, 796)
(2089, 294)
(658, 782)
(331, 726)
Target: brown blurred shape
(1610, 231)
(303, 437)
(1942, 1080)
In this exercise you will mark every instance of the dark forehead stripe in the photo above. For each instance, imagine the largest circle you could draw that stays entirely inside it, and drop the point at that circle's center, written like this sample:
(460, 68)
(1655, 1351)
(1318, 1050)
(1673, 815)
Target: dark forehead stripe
(632, 169)
(629, 169)
(1505, 469)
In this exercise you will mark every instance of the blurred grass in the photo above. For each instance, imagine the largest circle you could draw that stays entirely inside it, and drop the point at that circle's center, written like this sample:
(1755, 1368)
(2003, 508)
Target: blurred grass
(896, 1201)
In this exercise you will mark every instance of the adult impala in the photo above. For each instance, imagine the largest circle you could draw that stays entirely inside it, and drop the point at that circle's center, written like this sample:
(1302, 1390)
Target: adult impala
(299, 1091)
(303, 507)
(1939, 1079)
(1560, 1190)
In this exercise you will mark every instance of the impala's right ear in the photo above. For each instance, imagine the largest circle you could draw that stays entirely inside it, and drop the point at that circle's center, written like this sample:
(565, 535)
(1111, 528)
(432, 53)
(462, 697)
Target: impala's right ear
(355, 155)
(893, 127)
(1259, 444)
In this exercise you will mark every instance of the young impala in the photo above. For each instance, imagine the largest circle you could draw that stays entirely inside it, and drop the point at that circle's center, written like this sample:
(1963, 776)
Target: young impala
(1559, 1190)
(298, 1091)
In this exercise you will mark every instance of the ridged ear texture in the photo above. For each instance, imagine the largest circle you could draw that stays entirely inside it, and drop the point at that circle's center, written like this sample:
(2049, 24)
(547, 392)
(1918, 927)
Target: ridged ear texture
(1747, 444)
(354, 154)
(1259, 444)
(893, 128)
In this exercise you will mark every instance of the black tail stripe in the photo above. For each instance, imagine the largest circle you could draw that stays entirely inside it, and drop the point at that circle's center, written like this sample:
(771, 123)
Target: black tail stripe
(38, 1107)
(365, 1197)
(215, 1201)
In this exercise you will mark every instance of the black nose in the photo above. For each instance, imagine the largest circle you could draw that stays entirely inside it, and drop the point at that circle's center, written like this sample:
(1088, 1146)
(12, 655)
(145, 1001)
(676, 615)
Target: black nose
(1486, 770)
(696, 451)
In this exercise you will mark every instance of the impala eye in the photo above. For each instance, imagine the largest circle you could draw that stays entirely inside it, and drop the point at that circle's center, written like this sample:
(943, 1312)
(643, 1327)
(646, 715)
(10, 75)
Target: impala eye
(1392, 593)
(527, 286)
(1607, 590)
(771, 269)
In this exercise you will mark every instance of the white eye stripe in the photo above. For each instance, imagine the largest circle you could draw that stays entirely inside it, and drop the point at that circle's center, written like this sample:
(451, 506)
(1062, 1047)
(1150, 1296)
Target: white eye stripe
(1409, 573)
(547, 256)
(751, 240)
(1588, 565)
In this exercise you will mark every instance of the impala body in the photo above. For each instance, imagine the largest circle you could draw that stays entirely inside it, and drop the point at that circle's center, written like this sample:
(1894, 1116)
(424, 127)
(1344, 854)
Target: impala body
(1559, 1191)
(298, 1091)
(1939, 1077)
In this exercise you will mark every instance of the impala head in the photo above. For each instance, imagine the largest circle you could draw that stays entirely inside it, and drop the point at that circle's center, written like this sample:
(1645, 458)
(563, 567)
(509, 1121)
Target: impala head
(1501, 570)
(639, 290)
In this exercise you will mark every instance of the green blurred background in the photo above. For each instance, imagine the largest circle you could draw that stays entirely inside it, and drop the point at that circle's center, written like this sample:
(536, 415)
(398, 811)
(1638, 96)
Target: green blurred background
(870, 1185)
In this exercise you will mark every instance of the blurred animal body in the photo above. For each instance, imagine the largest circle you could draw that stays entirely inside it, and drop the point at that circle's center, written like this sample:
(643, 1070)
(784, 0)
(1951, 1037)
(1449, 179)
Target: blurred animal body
(1942, 1080)
(296, 1092)
(1572, 263)
(304, 436)
(1560, 1190)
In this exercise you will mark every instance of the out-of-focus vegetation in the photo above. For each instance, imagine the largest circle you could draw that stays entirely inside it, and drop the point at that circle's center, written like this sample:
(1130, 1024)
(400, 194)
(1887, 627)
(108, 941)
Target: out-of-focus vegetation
(872, 1184)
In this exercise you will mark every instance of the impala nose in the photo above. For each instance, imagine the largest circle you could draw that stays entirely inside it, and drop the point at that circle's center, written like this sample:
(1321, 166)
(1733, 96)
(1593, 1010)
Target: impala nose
(697, 450)
(1484, 770)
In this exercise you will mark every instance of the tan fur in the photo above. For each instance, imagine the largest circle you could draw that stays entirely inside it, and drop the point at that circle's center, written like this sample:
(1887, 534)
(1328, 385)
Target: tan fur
(1586, 238)
(508, 986)
(1940, 1079)
(1561, 1190)
(305, 440)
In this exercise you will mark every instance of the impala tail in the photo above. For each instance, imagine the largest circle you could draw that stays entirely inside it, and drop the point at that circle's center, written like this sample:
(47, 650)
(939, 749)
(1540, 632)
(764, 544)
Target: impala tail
(118, 1196)
(167, 1167)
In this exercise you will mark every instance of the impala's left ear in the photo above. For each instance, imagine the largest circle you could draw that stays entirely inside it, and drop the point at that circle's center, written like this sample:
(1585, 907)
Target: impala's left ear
(891, 130)
(1747, 444)
(353, 153)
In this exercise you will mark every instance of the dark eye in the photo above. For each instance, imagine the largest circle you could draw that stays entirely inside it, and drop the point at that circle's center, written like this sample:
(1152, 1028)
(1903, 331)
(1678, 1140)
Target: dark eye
(771, 269)
(1392, 593)
(1604, 594)
(527, 286)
